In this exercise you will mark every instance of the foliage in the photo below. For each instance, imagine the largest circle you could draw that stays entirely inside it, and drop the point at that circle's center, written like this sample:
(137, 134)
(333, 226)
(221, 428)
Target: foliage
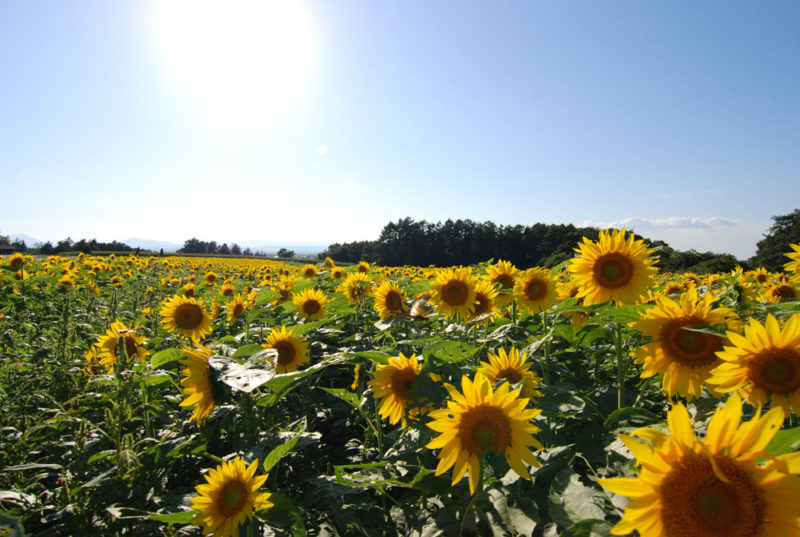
(784, 231)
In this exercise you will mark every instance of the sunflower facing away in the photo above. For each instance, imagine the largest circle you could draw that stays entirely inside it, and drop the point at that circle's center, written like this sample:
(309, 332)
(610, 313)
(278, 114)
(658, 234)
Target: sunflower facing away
(392, 384)
(187, 316)
(512, 367)
(292, 351)
(389, 299)
(535, 289)
(502, 276)
(763, 364)
(229, 497)
(235, 308)
(310, 303)
(108, 345)
(196, 383)
(614, 268)
(454, 292)
(683, 357)
(480, 419)
(714, 487)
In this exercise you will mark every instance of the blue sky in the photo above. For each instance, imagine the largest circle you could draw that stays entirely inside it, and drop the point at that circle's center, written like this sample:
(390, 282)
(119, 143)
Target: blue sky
(324, 120)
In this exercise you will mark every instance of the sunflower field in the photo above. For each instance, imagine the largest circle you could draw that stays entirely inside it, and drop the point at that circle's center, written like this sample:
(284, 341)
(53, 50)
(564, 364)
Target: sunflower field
(233, 396)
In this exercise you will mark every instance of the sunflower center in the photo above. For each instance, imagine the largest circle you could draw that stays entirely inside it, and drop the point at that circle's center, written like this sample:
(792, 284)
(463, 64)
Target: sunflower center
(232, 498)
(485, 427)
(535, 290)
(130, 346)
(402, 381)
(612, 270)
(238, 309)
(776, 370)
(694, 349)
(311, 307)
(393, 301)
(784, 292)
(15, 262)
(482, 305)
(188, 292)
(188, 316)
(510, 374)
(285, 350)
(505, 281)
(455, 293)
(696, 502)
(227, 292)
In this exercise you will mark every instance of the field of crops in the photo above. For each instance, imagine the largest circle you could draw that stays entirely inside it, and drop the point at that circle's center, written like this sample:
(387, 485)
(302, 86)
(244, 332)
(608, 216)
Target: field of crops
(182, 396)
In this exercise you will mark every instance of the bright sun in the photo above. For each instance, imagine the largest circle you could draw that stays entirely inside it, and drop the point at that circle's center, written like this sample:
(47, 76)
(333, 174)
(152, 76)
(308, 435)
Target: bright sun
(242, 60)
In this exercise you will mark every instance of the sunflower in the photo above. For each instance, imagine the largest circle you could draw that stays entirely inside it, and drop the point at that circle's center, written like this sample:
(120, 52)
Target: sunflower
(502, 275)
(565, 290)
(15, 261)
(187, 316)
(362, 266)
(791, 266)
(763, 364)
(683, 357)
(454, 292)
(211, 278)
(615, 267)
(227, 290)
(229, 497)
(781, 292)
(512, 367)
(389, 299)
(284, 290)
(189, 289)
(478, 420)
(235, 308)
(309, 271)
(392, 384)
(310, 303)
(714, 487)
(355, 287)
(292, 351)
(108, 345)
(535, 289)
(337, 273)
(197, 383)
(486, 300)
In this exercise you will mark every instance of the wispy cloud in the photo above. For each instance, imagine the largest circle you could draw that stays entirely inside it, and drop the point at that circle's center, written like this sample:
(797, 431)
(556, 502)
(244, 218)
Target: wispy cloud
(673, 223)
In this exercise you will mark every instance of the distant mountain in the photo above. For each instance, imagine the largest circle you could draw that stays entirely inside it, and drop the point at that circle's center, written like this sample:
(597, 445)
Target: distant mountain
(153, 246)
(29, 241)
(301, 248)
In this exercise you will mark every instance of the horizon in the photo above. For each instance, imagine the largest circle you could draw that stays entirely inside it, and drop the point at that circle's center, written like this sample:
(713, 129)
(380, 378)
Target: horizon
(321, 122)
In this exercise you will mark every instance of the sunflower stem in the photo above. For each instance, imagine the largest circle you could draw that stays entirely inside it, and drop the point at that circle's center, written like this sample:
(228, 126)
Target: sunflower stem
(474, 497)
(546, 360)
(621, 366)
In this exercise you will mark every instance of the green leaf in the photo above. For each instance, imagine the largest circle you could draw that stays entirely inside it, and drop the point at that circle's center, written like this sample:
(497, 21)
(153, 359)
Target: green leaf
(374, 356)
(247, 350)
(277, 454)
(156, 379)
(629, 414)
(588, 528)
(571, 501)
(32, 466)
(283, 514)
(164, 357)
(449, 351)
(351, 398)
(785, 441)
(181, 517)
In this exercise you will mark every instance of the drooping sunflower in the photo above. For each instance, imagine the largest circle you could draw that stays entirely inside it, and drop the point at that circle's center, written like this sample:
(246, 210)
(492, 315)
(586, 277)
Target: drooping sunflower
(535, 289)
(187, 316)
(502, 275)
(389, 299)
(486, 300)
(197, 383)
(392, 384)
(480, 419)
(714, 487)
(512, 367)
(310, 303)
(763, 364)
(229, 497)
(355, 287)
(235, 308)
(292, 351)
(15, 260)
(614, 268)
(684, 358)
(454, 292)
(309, 271)
(108, 345)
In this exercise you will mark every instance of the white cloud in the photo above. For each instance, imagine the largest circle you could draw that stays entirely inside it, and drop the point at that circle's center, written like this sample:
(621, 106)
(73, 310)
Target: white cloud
(712, 223)
(322, 150)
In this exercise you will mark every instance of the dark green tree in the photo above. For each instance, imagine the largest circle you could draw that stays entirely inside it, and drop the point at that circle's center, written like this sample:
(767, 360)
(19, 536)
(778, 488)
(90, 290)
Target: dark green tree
(785, 230)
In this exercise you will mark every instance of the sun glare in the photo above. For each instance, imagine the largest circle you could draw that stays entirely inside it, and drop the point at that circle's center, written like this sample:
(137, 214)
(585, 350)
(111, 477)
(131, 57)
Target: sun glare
(243, 61)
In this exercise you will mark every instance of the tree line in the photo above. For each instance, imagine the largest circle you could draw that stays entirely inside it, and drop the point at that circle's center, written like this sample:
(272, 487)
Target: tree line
(466, 242)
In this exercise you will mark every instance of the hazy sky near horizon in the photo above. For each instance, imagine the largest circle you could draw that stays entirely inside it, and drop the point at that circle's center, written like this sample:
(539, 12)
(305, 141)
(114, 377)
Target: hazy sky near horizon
(324, 120)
